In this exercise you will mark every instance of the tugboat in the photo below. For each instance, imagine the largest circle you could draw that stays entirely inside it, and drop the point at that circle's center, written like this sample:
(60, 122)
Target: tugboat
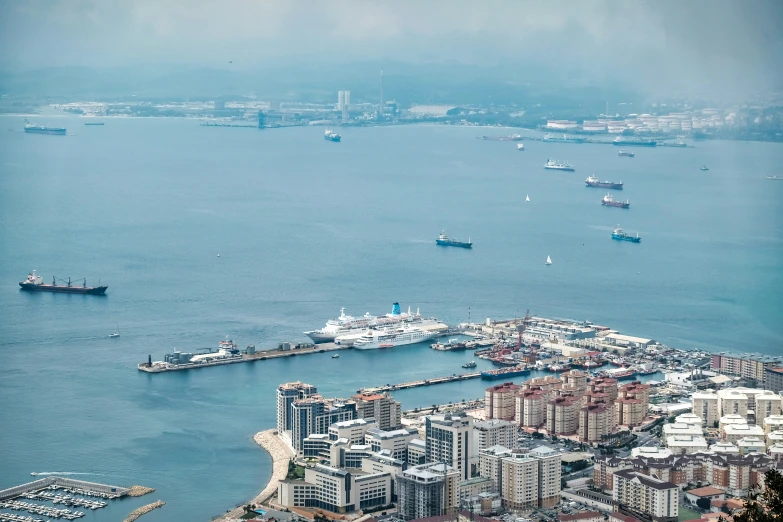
(704, 167)
(558, 165)
(592, 181)
(330, 135)
(521, 146)
(620, 235)
(443, 240)
(34, 283)
(610, 202)
(471, 364)
(626, 153)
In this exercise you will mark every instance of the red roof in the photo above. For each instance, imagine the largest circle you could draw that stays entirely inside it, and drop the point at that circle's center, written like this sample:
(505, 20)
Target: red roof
(707, 491)
(580, 516)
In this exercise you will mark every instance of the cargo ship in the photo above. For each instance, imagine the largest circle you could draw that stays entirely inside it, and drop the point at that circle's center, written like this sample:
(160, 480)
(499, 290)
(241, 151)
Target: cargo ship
(34, 283)
(623, 374)
(620, 235)
(511, 137)
(330, 135)
(609, 201)
(634, 141)
(626, 153)
(96, 123)
(505, 373)
(558, 165)
(40, 129)
(443, 240)
(563, 139)
(592, 181)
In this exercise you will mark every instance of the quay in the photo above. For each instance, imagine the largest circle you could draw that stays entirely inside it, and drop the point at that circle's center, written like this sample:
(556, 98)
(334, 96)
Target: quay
(425, 382)
(284, 350)
(251, 355)
(101, 490)
(604, 142)
(243, 125)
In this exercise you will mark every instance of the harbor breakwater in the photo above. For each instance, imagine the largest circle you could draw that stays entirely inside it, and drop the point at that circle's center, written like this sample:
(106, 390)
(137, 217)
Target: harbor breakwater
(136, 513)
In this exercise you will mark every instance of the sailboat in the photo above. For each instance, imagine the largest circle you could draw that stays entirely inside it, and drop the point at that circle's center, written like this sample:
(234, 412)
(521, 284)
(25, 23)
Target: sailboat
(548, 260)
(115, 333)
(527, 199)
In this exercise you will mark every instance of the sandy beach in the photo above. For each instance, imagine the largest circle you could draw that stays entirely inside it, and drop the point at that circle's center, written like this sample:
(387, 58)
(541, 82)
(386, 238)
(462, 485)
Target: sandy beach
(281, 455)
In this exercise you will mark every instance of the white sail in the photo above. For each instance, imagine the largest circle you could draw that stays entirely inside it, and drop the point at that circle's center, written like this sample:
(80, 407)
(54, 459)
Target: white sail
(527, 198)
(548, 260)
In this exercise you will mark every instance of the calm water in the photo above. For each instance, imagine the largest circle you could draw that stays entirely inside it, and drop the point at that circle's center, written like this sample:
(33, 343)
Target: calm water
(304, 227)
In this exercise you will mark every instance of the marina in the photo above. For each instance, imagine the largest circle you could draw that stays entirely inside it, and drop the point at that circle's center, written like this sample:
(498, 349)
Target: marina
(68, 497)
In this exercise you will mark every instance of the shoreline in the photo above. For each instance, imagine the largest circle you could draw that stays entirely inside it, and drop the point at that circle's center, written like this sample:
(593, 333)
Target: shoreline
(281, 455)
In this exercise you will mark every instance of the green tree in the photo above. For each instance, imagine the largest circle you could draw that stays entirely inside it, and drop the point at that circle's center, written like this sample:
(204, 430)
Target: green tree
(703, 503)
(766, 505)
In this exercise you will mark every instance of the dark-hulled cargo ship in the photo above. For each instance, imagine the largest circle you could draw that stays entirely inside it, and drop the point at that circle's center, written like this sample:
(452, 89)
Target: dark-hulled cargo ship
(505, 373)
(609, 201)
(443, 240)
(592, 181)
(34, 283)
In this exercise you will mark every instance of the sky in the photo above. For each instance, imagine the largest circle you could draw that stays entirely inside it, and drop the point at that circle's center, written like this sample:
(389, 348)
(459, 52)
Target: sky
(676, 45)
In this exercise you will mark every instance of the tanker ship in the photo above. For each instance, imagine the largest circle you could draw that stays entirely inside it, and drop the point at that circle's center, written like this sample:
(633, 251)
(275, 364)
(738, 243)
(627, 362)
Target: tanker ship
(592, 181)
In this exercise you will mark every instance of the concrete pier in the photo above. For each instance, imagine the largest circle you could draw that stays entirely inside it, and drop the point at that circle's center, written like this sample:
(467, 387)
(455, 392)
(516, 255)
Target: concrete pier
(425, 382)
(43, 483)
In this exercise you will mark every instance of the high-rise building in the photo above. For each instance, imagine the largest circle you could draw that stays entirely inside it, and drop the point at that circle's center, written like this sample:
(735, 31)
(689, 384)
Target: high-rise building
(635, 493)
(531, 407)
(629, 412)
(490, 464)
(562, 416)
(705, 406)
(500, 401)
(380, 406)
(493, 433)
(595, 421)
(426, 491)
(287, 393)
(549, 475)
(315, 414)
(575, 381)
(519, 487)
(340, 100)
(380, 103)
(449, 440)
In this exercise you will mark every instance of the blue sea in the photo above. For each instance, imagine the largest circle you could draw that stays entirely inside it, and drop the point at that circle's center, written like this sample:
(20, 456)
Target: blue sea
(304, 227)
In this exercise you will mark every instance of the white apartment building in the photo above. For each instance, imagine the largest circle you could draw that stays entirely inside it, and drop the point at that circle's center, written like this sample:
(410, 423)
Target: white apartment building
(705, 406)
(549, 462)
(772, 423)
(394, 441)
(449, 440)
(493, 433)
(353, 430)
(336, 490)
(734, 432)
(681, 429)
(490, 464)
(647, 495)
(417, 452)
(685, 444)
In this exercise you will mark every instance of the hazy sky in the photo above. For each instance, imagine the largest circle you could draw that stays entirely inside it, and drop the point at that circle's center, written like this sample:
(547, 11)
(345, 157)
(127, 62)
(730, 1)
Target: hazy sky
(675, 44)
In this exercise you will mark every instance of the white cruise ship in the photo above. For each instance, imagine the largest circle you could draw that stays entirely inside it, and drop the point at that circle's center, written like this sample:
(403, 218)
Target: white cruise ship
(346, 324)
(391, 337)
(351, 336)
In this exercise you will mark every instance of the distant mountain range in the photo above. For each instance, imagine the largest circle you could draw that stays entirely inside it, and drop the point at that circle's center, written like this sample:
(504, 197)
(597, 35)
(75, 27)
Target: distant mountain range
(441, 83)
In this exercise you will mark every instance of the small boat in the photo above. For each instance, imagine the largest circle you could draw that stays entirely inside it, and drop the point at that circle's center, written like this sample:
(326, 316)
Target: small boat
(626, 153)
(115, 333)
(548, 260)
(775, 177)
(471, 364)
(520, 146)
(527, 199)
(704, 167)
(335, 356)
(330, 135)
